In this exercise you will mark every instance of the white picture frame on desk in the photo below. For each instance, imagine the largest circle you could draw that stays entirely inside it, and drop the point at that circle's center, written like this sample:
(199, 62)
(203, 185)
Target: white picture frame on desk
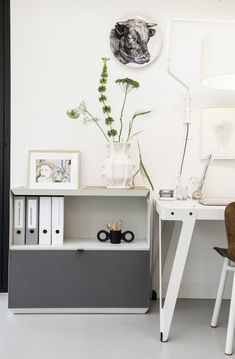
(53, 169)
(218, 132)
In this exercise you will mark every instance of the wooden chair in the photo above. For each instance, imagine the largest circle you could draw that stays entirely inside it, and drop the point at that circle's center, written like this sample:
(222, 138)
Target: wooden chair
(229, 265)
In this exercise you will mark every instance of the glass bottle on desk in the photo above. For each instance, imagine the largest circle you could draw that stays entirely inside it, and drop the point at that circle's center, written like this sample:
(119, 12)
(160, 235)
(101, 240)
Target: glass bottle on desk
(181, 189)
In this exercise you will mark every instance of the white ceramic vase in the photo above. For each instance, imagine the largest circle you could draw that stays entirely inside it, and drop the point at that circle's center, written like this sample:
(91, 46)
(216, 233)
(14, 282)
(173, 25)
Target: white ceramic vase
(118, 168)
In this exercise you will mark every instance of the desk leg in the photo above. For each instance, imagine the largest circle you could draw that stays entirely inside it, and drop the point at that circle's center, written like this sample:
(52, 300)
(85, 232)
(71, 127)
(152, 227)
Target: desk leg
(167, 310)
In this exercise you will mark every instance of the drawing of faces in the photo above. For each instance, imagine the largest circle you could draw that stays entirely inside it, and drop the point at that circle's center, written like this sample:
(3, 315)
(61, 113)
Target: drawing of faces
(45, 172)
(67, 166)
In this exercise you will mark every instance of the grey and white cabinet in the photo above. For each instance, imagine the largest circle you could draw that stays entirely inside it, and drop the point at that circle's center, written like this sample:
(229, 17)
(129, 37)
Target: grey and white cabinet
(85, 275)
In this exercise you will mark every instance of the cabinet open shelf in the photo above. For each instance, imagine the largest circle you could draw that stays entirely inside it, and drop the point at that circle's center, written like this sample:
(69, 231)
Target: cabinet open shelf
(89, 244)
(87, 211)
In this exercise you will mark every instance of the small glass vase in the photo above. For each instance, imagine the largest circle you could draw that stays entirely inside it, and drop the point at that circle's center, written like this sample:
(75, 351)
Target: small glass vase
(182, 187)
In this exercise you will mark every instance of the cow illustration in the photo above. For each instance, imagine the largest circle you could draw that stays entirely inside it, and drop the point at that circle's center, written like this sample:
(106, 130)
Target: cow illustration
(129, 41)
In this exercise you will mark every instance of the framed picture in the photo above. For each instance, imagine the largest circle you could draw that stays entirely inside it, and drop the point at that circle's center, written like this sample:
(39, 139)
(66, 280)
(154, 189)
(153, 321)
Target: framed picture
(135, 40)
(54, 169)
(218, 133)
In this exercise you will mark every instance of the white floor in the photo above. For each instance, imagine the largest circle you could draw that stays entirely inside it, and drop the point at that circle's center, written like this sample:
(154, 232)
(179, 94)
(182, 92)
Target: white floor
(113, 336)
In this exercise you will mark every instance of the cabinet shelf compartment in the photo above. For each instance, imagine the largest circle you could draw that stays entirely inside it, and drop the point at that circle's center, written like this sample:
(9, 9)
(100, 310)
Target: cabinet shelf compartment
(86, 215)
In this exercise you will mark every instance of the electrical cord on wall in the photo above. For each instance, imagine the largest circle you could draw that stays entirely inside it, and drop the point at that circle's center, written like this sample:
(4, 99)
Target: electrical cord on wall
(185, 147)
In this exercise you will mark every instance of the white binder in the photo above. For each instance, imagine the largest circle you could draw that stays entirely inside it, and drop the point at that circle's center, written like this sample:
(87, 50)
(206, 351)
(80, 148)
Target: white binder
(44, 221)
(57, 229)
(19, 221)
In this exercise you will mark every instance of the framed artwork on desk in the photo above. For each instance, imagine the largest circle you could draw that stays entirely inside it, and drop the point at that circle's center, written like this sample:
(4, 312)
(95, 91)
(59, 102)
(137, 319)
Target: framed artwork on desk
(218, 133)
(55, 169)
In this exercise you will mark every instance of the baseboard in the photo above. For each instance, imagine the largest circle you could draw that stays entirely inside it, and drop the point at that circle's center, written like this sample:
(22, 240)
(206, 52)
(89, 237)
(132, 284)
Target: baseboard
(79, 310)
(200, 290)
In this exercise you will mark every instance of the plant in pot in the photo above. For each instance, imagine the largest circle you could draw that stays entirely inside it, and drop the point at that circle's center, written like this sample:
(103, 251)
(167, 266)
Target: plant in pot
(118, 168)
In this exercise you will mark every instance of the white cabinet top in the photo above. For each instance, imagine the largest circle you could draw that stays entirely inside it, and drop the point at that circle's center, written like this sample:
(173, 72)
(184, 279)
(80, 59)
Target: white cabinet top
(90, 191)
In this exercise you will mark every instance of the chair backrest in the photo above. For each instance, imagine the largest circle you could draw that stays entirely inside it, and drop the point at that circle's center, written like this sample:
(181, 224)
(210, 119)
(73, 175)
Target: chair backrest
(230, 229)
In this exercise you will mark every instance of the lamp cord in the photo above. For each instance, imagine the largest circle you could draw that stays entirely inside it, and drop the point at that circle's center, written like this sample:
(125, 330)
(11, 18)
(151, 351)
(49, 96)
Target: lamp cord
(185, 147)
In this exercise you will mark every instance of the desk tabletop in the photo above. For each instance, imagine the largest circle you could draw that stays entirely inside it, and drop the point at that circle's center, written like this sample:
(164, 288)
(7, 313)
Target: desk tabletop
(180, 209)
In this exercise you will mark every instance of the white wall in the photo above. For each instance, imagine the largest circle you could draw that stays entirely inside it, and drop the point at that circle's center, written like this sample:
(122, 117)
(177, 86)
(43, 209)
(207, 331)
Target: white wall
(56, 50)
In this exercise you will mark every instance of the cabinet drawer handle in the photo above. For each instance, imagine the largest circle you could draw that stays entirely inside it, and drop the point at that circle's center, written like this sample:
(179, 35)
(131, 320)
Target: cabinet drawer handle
(80, 250)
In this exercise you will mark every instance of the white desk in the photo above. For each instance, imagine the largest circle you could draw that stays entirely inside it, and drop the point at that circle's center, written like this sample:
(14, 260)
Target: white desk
(188, 212)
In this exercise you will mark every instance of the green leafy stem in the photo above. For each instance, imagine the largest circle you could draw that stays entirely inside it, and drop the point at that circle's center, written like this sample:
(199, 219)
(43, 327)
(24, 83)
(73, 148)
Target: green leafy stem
(127, 85)
(142, 169)
(103, 99)
(75, 113)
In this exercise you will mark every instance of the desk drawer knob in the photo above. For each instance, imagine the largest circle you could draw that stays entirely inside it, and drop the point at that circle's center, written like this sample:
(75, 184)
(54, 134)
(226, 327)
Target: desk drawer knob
(172, 213)
(190, 213)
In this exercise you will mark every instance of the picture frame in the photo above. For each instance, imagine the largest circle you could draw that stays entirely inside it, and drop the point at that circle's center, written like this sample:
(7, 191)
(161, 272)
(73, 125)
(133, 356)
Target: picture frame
(53, 169)
(218, 133)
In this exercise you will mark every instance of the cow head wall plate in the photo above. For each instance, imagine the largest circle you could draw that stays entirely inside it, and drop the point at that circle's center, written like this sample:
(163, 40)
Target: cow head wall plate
(136, 40)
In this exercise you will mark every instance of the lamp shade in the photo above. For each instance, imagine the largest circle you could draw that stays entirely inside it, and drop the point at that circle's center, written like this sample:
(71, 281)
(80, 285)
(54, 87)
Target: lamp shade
(218, 60)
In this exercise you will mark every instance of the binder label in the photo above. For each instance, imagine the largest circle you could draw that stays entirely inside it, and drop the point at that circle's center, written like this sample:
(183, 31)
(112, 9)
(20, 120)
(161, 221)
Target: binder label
(19, 215)
(32, 213)
(59, 213)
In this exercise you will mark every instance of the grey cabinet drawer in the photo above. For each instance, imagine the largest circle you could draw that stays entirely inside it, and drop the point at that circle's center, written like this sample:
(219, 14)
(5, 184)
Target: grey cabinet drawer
(73, 279)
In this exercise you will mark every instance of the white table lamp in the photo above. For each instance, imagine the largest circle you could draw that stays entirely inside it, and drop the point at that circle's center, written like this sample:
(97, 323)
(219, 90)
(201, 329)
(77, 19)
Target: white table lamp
(218, 60)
